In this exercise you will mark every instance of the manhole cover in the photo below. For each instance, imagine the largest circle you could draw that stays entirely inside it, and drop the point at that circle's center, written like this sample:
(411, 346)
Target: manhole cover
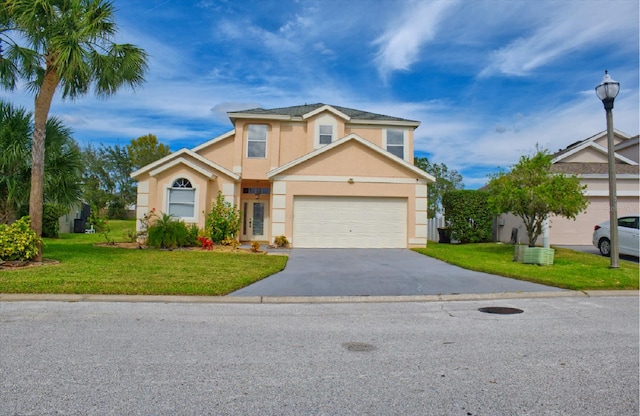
(358, 346)
(500, 310)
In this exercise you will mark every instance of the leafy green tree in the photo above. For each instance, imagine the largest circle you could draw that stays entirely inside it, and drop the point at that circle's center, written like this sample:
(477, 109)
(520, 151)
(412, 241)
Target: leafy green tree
(108, 184)
(223, 222)
(532, 192)
(446, 180)
(67, 44)
(118, 164)
(145, 150)
(62, 173)
(98, 186)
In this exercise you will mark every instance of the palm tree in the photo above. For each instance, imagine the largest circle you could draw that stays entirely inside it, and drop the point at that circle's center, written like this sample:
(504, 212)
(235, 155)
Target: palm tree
(66, 43)
(15, 131)
(62, 166)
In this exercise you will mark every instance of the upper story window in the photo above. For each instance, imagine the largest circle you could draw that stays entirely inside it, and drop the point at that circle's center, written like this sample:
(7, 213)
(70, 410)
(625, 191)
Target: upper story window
(325, 134)
(326, 130)
(257, 140)
(181, 199)
(395, 142)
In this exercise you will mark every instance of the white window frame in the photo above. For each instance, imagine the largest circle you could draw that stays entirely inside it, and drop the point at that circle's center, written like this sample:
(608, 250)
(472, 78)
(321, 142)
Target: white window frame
(167, 192)
(321, 134)
(324, 120)
(265, 141)
(404, 142)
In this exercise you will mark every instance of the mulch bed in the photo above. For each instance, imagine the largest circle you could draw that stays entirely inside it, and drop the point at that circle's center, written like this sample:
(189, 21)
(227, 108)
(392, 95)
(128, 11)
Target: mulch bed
(138, 246)
(13, 265)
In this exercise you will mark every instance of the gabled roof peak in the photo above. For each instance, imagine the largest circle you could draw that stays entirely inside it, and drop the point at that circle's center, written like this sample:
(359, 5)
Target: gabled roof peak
(588, 140)
(301, 112)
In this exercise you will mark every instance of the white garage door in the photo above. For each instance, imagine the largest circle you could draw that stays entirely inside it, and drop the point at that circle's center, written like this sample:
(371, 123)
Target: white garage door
(349, 222)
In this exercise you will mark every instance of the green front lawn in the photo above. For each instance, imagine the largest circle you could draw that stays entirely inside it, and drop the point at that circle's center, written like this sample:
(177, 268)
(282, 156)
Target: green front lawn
(570, 270)
(85, 268)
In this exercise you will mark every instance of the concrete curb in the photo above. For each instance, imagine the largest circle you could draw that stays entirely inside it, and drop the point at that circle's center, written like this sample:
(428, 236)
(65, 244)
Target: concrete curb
(11, 297)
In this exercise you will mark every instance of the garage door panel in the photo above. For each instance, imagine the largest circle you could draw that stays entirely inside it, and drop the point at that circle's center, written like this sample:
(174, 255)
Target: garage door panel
(580, 231)
(330, 222)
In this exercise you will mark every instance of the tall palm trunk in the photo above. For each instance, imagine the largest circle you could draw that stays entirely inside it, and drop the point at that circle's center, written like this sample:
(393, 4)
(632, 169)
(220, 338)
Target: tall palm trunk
(36, 194)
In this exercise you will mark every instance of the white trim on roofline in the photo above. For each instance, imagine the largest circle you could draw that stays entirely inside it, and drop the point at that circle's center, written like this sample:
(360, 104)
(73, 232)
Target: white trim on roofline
(259, 116)
(342, 141)
(214, 140)
(621, 158)
(405, 123)
(628, 143)
(155, 166)
(183, 161)
(328, 108)
(606, 193)
(355, 179)
(591, 142)
(606, 176)
(159, 162)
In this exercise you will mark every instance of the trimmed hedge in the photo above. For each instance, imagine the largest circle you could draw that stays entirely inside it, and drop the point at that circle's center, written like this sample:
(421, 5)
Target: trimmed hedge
(468, 217)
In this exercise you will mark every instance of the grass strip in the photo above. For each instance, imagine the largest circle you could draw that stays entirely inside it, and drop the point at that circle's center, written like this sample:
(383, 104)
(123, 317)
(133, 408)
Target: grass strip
(571, 269)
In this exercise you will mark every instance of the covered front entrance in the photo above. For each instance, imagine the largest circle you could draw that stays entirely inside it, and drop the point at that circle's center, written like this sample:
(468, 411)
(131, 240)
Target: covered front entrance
(254, 220)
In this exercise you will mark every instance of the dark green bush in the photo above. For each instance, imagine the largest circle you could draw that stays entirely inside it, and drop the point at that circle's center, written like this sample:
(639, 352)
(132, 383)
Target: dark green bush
(192, 236)
(117, 210)
(468, 216)
(167, 232)
(50, 220)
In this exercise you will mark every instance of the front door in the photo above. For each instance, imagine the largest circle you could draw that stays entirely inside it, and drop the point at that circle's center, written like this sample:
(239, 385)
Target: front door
(254, 221)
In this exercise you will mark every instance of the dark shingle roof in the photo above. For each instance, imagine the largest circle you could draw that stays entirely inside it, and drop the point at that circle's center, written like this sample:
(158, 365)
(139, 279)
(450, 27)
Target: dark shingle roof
(574, 168)
(300, 110)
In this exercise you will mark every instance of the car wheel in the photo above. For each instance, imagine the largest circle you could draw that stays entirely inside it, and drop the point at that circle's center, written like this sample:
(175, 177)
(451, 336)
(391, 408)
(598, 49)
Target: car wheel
(605, 247)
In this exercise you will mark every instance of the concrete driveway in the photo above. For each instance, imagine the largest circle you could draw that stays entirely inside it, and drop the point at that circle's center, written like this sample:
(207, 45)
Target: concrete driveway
(378, 272)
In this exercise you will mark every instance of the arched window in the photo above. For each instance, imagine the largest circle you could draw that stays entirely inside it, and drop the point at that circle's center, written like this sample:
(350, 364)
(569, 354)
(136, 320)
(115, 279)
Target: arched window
(182, 199)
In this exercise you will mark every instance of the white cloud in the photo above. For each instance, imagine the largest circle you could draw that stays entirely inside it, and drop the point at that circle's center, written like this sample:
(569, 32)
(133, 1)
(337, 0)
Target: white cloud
(473, 143)
(587, 25)
(400, 45)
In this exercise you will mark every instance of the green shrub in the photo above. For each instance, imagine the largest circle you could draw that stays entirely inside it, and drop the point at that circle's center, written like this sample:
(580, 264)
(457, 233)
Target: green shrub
(167, 232)
(231, 242)
(468, 216)
(223, 222)
(281, 241)
(117, 210)
(18, 241)
(192, 236)
(99, 222)
(50, 220)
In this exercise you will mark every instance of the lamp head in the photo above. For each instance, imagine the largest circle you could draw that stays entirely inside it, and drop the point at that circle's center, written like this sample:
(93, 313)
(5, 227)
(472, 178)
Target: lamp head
(607, 90)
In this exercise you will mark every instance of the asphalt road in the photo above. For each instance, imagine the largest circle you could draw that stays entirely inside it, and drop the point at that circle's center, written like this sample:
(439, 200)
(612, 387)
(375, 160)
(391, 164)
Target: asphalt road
(561, 356)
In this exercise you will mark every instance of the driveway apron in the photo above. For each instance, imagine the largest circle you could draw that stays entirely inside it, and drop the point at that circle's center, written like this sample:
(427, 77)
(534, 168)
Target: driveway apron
(378, 272)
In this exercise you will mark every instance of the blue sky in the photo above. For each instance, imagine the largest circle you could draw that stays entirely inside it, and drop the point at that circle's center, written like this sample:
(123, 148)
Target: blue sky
(488, 79)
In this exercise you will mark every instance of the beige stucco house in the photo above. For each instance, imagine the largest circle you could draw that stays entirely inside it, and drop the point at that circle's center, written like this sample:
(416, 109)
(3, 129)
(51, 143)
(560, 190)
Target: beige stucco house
(321, 175)
(589, 160)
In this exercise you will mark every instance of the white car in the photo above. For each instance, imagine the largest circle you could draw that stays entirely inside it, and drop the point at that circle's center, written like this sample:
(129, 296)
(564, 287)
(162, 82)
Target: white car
(628, 236)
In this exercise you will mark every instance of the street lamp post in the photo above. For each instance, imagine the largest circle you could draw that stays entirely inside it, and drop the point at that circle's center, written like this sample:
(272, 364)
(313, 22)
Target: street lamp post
(607, 91)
